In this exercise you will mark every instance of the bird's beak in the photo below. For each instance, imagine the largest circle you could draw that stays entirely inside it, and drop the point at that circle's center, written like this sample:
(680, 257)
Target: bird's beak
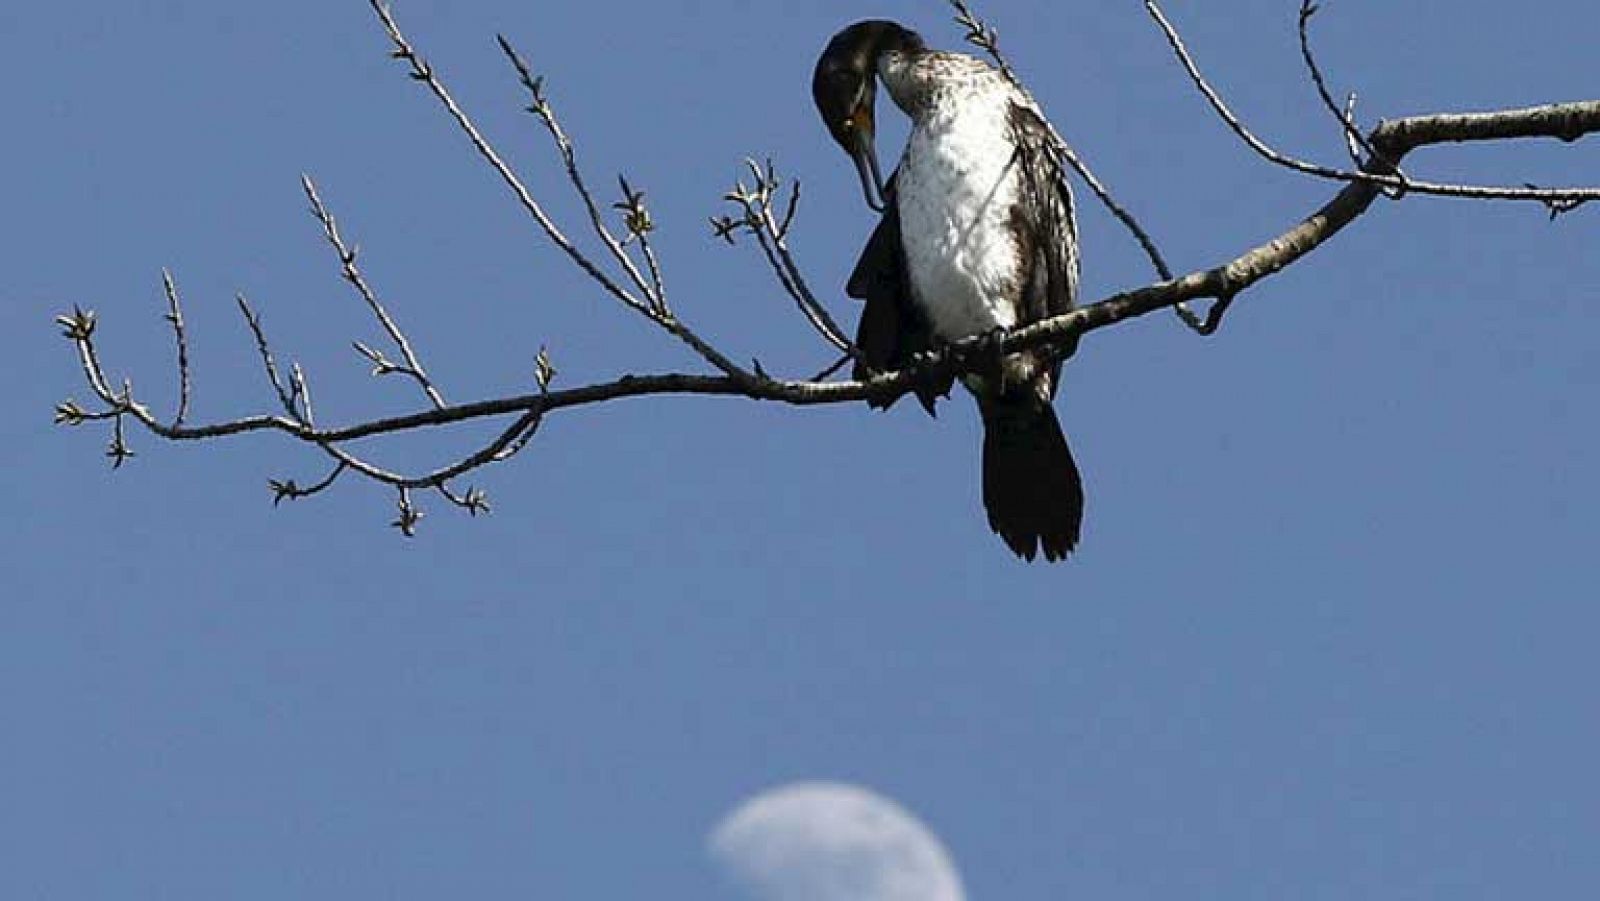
(865, 155)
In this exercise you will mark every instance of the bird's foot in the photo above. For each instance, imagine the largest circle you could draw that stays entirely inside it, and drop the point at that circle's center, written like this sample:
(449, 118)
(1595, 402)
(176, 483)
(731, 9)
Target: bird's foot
(983, 354)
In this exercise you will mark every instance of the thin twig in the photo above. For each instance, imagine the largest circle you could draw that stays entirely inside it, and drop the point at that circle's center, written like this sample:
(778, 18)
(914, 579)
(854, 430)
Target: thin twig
(180, 336)
(1378, 177)
(775, 247)
(755, 204)
(1353, 137)
(833, 367)
(658, 284)
(422, 72)
(541, 108)
(353, 275)
(434, 478)
(789, 212)
(118, 450)
(301, 388)
(475, 501)
(1352, 146)
(639, 222)
(409, 515)
(287, 489)
(264, 349)
(985, 37)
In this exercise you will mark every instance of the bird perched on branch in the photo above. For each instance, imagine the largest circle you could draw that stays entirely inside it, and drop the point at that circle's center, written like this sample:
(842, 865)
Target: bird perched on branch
(977, 236)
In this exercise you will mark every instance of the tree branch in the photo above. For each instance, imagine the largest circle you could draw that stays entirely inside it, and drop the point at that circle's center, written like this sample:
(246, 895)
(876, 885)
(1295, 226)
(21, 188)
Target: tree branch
(1378, 155)
(1394, 139)
(424, 73)
(352, 274)
(181, 339)
(1356, 143)
(756, 203)
(1377, 174)
(541, 108)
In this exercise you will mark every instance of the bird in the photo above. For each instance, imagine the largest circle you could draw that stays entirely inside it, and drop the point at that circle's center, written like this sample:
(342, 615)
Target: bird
(977, 236)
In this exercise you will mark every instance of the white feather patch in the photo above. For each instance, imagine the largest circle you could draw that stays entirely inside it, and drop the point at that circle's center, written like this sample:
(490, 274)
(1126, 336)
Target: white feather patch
(956, 189)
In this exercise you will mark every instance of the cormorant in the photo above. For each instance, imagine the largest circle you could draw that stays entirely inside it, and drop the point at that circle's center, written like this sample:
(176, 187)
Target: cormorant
(977, 236)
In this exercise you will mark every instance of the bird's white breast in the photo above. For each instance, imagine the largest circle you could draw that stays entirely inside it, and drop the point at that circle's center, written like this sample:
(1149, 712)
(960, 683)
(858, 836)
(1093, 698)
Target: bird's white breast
(956, 190)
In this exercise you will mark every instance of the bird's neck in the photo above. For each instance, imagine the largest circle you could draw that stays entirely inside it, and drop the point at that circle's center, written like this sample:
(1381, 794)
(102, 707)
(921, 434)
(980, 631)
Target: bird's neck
(917, 82)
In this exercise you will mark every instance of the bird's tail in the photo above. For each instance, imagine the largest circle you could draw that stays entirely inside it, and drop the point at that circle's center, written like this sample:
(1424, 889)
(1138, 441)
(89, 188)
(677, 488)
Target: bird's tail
(1031, 487)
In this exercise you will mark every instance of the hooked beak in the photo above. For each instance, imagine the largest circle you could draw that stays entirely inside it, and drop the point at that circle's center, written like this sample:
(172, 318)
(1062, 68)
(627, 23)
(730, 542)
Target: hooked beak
(865, 155)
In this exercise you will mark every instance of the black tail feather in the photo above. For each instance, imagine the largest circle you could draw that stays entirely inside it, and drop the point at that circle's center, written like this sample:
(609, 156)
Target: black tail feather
(1031, 487)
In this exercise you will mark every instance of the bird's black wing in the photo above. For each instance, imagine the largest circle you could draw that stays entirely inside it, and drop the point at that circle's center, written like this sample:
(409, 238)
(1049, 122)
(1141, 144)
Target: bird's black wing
(1031, 486)
(1045, 220)
(892, 329)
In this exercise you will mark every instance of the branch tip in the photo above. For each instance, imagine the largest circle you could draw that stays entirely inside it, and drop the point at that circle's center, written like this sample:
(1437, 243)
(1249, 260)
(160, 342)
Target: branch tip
(78, 325)
(544, 371)
(408, 517)
(68, 413)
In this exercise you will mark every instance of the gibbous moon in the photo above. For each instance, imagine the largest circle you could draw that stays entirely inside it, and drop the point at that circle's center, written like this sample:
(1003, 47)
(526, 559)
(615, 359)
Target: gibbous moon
(827, 841)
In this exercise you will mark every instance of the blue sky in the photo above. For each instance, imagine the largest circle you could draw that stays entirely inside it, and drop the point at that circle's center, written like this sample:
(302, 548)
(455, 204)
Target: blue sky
(1330, 633)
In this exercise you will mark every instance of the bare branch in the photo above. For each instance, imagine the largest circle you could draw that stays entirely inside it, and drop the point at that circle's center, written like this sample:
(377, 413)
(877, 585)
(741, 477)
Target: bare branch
(175, 317)
(755, 203)
(542, 108)
(475, 501)
(352, 274)
(268, 362)
(69, 413)
(302, 390)
(1393, 139)
(768, 218)
(1352, 146)
(640, 225)
(286, 489)
(422, 72)
(1355, 142)
(118, 450)
(544, 370)
(79, 327)
(1376, 175)
(985, 37)
(409, 516)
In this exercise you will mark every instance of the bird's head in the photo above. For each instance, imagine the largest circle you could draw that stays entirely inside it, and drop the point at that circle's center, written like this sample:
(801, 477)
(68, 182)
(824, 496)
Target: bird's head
(844, 87)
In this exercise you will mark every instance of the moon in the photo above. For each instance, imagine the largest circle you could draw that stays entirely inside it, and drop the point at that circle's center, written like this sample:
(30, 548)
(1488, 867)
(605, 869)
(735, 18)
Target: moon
(828, 841)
